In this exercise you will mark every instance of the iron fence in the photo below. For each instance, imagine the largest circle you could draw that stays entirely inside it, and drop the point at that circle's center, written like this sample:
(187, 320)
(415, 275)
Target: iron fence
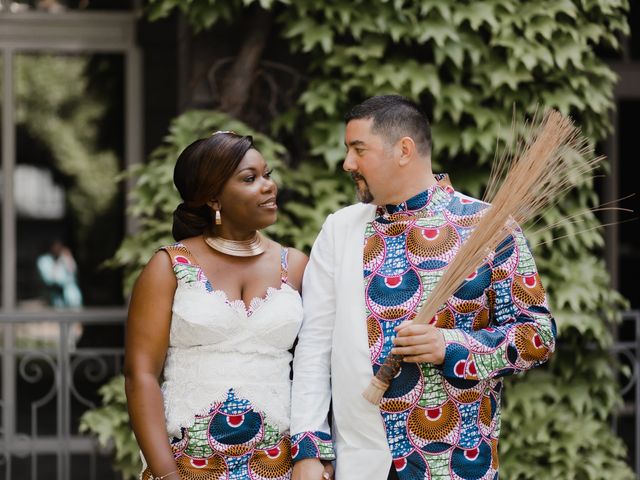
(626, 350)
(52, 364)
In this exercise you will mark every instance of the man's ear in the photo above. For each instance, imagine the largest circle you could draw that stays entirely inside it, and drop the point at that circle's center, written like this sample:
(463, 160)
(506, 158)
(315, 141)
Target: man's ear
(407, 150)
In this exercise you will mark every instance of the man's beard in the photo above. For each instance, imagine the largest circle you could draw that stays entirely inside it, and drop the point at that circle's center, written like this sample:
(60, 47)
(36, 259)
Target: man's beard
(362, 188)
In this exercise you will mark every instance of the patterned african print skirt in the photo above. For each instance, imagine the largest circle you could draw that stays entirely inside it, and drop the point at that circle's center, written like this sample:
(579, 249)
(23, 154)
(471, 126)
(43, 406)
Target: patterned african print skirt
(232, 441)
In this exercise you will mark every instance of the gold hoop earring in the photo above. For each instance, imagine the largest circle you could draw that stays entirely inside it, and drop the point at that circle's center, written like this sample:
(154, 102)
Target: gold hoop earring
(218, 218)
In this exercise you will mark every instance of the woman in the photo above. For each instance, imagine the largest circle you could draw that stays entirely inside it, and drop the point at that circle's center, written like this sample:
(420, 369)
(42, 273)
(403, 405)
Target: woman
(216, 314)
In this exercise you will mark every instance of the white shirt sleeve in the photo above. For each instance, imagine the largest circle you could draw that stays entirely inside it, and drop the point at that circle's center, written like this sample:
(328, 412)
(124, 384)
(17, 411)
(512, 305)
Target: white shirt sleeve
(311, 391)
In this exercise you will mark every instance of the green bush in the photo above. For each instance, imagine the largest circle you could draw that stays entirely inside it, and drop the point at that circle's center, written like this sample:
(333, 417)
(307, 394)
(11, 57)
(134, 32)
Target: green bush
(110, 423)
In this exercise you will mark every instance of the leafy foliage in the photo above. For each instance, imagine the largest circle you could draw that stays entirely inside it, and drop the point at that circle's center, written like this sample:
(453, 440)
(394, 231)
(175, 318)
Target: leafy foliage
(53, 106)
(468, 63)
(110, 423)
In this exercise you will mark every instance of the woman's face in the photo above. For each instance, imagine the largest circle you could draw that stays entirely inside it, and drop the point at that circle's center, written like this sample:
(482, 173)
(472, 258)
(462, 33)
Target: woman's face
(248, 199)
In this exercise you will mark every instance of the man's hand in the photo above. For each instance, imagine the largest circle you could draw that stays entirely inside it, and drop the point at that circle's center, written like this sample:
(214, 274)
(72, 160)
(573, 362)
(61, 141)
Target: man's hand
(419, 343)
(312, 469)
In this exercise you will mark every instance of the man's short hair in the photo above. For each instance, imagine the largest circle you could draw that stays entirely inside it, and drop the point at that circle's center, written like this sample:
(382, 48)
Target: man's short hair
(394, 117)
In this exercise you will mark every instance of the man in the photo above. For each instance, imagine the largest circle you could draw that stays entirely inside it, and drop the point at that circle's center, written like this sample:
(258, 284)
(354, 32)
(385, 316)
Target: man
(371, 269)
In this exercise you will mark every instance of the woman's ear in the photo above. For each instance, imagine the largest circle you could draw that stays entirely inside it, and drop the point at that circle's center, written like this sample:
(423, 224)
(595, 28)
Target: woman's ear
(213, 204)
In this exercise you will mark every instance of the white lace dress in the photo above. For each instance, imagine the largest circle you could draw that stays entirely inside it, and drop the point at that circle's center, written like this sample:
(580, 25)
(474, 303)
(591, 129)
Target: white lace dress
(226, 385)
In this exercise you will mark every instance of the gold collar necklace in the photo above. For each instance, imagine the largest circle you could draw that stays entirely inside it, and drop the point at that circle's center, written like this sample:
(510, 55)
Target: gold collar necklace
(237, 248)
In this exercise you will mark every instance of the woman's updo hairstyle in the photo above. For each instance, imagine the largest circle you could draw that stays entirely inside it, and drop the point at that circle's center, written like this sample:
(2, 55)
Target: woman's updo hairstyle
(201, 171)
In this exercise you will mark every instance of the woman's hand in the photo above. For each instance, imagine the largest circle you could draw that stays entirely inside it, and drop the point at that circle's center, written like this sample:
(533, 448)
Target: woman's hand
(328, 470)
(312, 469)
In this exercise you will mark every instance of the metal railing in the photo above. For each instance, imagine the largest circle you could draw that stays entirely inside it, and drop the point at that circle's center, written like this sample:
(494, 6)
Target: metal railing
(627, 351)
(53, 363)
(51, 369)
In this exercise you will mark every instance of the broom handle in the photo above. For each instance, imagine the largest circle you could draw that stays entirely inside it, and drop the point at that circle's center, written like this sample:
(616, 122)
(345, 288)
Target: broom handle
(389, 368)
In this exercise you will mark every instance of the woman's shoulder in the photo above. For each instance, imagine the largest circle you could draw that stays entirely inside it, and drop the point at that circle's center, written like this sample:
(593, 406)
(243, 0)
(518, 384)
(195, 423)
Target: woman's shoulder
(296, 263)
(293, 255)
(157, 273)
(179, 251)
(297, 256)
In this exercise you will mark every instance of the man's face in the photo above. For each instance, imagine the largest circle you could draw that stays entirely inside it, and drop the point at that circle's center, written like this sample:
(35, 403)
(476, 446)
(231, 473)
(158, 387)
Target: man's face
(368, 160)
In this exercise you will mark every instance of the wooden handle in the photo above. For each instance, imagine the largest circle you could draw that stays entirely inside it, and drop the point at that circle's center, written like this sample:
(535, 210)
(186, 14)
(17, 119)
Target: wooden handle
(389, 368)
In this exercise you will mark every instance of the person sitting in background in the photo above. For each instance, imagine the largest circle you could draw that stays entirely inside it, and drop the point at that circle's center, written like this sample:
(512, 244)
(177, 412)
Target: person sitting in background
(57, 269)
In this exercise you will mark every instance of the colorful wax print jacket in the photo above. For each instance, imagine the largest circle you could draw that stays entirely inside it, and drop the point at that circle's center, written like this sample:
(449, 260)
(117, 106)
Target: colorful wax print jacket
(437, 421)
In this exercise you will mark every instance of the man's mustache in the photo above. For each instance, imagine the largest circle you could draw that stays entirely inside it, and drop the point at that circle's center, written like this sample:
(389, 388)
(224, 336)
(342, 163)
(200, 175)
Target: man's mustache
(356, 176)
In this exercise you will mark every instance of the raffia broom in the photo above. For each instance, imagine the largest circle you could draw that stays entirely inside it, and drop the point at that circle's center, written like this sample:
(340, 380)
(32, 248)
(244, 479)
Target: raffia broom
(523, 181)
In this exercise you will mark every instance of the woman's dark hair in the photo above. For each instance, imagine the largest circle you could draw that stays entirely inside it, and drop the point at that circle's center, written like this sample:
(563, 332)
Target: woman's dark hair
(201, 171)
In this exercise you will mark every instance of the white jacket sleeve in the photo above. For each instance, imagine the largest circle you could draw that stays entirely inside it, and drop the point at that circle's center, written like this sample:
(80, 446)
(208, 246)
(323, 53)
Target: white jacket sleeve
(311, 391)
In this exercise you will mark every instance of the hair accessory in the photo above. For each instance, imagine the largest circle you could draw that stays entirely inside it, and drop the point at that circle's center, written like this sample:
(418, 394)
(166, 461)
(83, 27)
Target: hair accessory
(223, 131)
(237, 248)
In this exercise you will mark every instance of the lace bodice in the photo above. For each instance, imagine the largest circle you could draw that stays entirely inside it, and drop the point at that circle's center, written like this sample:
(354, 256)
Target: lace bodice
(216, 344)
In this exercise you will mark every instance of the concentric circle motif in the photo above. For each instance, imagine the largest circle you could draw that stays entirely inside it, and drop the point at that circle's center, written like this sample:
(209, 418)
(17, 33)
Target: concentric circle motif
(179, 444)
(485, 340)
(464, 306)
(499, 274)
(474, 286)
(434, 424)
(463, 391)
(412, 466)
(494, 454)
(375, 337)
(464, 221)
(455, 368)
(527, 290)
(212, 468)
(374, 249)
(481, 319)
(431, 248)
(392, 229)
(487, 410)
(271, 463)
(462, 384)
(529, 343)
(491, 301)
(235, 435)
(505, 257)
(405, 389)
(392, 297)
(400, 464)
(182, 259)
(472, 463)
(465, 212)
(444, 319)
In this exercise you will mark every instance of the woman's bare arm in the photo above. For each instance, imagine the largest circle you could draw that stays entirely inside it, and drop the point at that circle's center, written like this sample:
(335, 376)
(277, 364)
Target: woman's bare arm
(147, 340)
